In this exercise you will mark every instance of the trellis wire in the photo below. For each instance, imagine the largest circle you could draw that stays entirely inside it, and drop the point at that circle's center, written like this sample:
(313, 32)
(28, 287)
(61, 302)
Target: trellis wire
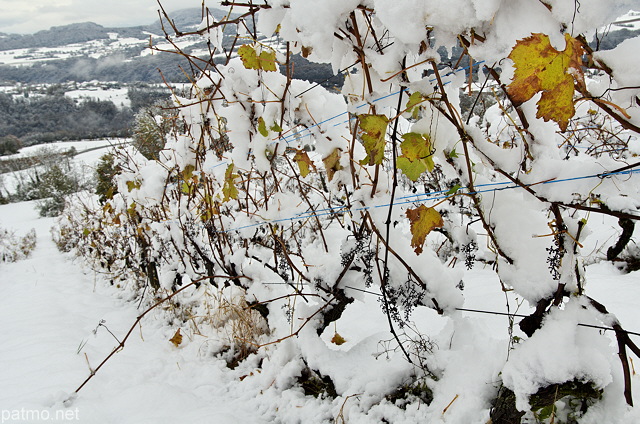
(440, 195)
(481, 311)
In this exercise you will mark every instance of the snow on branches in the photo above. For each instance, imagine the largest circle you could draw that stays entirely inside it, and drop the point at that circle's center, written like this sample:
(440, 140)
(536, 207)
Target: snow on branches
(306, 199)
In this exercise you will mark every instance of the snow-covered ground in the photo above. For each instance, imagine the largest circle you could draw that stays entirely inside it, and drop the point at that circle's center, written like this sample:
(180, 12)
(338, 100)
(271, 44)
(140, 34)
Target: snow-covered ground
(89, 152)
(51, 310)
(57, 318)
(61, 146)
(118, 96)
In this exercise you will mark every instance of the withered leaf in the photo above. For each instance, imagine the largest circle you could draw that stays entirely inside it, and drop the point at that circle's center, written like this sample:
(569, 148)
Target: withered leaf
(423, 220)
(541, 68)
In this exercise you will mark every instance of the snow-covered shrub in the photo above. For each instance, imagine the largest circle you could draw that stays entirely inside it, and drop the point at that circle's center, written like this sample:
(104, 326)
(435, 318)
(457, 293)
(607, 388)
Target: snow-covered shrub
(14, 248)
(104, 176)
(53, 177)
(153, 125)
(308, 200)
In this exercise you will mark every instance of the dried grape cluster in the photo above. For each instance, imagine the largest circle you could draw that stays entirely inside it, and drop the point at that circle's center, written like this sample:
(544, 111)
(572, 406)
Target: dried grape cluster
(469, 250)
(361, 257)
(404, 298)
(554, 259)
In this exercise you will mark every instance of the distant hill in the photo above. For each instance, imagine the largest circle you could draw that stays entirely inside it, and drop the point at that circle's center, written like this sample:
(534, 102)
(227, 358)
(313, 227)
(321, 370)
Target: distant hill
(58, 36)
(63, 35)
(87, 51)
(94, 52)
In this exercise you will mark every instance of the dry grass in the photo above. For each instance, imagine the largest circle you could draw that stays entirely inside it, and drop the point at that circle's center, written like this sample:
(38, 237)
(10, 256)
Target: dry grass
(14, 248)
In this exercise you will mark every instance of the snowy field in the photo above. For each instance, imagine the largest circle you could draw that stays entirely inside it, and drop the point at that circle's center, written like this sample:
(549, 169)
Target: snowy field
(94, 49)
(51, 308)
(60, 320)
(89, 152)
(80, 146)
(118, 96)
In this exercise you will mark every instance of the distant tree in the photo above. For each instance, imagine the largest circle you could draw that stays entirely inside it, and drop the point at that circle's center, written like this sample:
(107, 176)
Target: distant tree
(56, 117)
(106, 171)
(9, 145)
(145, 96)
(152, 126)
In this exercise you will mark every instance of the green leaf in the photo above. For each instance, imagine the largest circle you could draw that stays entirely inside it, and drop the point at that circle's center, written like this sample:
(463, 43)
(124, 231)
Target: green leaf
(454, 189)
(304, 163)
(453, 154)
(229, 189)
(276, 128)
(413, 104)
(262, 127)
(416, 155)
(375, 130)
(545, 412)
(189, 179)
(412, 170)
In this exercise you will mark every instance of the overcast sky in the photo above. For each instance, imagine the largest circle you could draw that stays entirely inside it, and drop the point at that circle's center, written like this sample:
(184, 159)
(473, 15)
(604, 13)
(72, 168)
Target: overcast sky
(29, 16)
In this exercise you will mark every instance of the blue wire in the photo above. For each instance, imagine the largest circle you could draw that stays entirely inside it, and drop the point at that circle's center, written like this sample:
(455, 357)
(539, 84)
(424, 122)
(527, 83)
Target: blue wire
(417, 197)
(339, 209)
(308, 129)
(507, 186)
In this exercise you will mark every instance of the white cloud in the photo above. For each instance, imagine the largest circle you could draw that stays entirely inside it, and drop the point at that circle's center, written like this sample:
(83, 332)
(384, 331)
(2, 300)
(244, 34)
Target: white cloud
(24, 17)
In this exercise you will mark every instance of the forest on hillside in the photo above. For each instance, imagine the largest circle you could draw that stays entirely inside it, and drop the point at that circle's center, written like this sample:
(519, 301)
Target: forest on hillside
(52, 116)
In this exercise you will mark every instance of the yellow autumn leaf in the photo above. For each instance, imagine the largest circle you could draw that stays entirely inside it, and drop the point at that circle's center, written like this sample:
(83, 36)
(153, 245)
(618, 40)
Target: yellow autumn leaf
(268, 61)
(374, 129)
(176, 339)
(306, 51)
(423, 220)
(229, 189)
(187, 172)
(338, 339)
(250, 59)
(541, 68)
(133, 185)
(332, 163)
(304, 162)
